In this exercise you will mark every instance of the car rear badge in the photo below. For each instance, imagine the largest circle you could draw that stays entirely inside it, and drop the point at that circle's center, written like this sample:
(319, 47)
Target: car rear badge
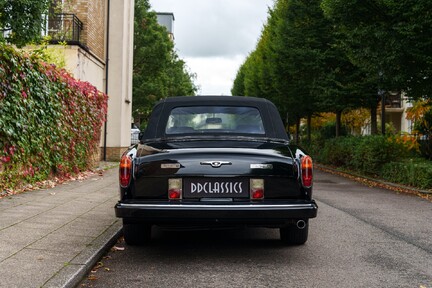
(170, 165)
(261, 166)
(216, 164)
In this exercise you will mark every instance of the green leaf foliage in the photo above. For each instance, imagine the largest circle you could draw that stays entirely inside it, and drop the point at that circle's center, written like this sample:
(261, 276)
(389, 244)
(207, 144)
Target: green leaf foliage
(417, 173)
(331, 55)
(365, 154)
(50, 123)
(22, 20)
(298, 65)
(390, 37)
(157, 70)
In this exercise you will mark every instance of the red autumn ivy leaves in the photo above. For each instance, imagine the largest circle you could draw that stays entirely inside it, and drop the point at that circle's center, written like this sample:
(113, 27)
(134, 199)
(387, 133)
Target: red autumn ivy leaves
(50, 123)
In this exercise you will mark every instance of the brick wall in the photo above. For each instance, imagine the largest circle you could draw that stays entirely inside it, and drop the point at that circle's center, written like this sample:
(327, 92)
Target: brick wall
(92, 14)
(96, 21)
(113, 153)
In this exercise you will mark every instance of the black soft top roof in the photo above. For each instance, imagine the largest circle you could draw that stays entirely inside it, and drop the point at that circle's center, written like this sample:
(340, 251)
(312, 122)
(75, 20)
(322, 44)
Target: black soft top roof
(200, 100)
(272, 121)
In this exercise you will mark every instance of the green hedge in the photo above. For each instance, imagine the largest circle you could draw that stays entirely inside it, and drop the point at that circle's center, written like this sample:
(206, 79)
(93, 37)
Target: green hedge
(409, 172)
(365, 154)
(338, 151)
(378, 156)
(50, 123)
(373, 152)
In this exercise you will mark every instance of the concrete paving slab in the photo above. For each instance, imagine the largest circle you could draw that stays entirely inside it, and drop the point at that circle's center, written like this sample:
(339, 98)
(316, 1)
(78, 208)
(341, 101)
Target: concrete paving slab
(51, 238)
(57, 241)
(83, 227)
(25, 210)
(58, 218)
(7, 251)
(31, 268)
(18, 235)
(72, 274)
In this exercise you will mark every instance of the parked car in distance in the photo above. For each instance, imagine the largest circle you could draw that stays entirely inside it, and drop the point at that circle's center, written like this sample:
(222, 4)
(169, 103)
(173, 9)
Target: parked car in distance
(135, 131)
(215, 161)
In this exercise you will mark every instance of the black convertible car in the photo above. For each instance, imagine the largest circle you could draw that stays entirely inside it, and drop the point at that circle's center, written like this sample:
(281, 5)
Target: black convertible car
(215, 161)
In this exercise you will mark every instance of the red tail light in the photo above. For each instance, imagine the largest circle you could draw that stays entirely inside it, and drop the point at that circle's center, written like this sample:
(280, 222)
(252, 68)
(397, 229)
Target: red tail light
(307, 171)
(257, 189)
(125, 171)
(175, 189)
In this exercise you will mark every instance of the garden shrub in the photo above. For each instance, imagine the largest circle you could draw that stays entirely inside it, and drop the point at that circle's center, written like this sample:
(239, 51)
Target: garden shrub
(50, 123)
(375, 151)
(413, 173)
(364, 154)
(386, 157)
(328, 131)
(425, 147)
(338, 151)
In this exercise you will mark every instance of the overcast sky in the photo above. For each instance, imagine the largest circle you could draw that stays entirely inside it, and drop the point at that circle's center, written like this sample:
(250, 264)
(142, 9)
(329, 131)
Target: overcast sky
(214, 37)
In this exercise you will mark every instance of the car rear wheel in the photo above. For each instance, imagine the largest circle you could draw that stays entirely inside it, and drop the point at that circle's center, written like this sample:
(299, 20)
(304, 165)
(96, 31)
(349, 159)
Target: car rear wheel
(295, 234)
(136, 234)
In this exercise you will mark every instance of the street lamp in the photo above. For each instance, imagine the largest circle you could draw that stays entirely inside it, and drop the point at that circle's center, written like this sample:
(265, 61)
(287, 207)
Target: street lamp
(381, 94)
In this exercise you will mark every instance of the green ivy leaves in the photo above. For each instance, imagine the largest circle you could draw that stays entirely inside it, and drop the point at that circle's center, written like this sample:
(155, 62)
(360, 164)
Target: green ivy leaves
(50, 123)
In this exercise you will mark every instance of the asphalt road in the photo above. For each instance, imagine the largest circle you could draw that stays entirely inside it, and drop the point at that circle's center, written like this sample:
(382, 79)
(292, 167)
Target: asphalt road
(362, 237)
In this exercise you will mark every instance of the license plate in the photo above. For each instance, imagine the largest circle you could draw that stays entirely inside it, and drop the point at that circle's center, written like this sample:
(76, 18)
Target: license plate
(218, 187)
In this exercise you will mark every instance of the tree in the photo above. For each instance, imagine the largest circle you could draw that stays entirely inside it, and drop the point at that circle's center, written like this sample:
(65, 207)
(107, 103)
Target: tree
(180, 80)
(301, 51)
(302, 64)
(157, 70)
(421, 114)
(22, 21)
(389, 38)
(238, 88)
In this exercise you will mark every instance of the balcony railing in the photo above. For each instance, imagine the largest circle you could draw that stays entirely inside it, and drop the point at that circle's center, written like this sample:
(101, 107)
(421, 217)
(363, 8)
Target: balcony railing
(393, 100)
(65, 27)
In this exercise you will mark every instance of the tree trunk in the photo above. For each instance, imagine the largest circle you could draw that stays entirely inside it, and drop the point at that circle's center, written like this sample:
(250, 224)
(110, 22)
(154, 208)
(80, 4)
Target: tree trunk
(309, 125)
(374, 124)
(297, 137)
(338, 122)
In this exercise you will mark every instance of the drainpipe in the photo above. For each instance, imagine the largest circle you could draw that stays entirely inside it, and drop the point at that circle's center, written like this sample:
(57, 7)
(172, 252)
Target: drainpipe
(106, 79)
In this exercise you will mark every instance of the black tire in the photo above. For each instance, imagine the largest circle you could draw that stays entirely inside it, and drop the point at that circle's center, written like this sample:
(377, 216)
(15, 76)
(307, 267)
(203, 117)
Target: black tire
(292, 235)
(136, 234)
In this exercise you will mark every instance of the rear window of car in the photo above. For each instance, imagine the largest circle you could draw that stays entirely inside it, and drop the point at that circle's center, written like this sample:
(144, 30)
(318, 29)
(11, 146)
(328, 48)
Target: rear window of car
(215, 119)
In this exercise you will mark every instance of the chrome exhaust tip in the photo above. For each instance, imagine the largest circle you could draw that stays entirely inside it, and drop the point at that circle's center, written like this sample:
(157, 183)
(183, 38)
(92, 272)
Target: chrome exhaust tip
(301, 224)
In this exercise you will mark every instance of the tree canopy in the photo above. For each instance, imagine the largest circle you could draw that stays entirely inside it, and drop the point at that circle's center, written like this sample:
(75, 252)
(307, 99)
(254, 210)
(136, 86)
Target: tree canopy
(22, 21)
(390, 38)
(330, 55)
(297, 65)
(158, 72)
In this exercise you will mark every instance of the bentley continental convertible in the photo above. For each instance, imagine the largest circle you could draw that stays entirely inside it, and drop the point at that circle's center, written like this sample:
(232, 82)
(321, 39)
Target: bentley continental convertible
(215, 162)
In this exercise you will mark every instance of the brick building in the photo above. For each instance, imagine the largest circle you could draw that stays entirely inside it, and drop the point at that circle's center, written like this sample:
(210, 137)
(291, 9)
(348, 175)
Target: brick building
(99, 37)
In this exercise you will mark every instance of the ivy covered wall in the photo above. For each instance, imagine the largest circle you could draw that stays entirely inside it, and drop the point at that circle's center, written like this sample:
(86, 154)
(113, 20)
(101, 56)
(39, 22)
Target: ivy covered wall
(50, 123)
